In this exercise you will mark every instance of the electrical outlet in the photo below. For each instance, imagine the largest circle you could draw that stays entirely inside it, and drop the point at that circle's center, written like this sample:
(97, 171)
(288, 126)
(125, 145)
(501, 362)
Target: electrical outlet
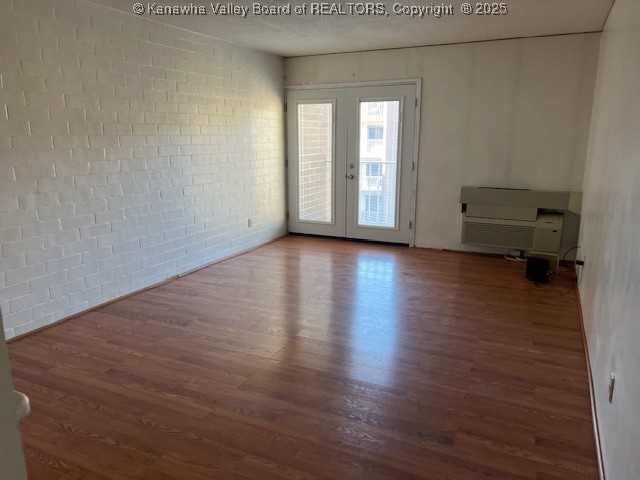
(612, 384)
(250, 222)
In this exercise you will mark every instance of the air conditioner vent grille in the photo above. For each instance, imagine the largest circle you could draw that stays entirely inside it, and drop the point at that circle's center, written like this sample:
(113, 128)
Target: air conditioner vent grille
(494, 234)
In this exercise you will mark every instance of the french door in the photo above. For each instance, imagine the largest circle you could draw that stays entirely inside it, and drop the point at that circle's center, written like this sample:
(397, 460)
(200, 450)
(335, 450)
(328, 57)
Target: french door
(350, 153)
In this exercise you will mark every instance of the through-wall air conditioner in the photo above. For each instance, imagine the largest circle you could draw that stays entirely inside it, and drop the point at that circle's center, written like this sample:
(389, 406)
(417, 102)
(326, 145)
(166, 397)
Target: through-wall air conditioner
(516, 219)
(542, 235)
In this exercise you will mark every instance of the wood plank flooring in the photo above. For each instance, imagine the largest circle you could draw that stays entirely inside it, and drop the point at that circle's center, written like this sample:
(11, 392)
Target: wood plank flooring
(316, 359)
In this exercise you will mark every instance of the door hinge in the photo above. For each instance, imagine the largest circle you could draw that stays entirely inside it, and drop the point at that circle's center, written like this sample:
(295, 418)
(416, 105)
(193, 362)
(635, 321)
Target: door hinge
(410, 225)
(416, 103)
(287, 215)
(285, 106)
(413, 166)
(286, 163)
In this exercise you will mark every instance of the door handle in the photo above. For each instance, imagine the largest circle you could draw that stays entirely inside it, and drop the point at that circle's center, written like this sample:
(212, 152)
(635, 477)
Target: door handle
(350, 177)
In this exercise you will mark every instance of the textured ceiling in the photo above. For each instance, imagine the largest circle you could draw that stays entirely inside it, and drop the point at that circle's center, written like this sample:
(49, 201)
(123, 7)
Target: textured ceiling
(295, 35)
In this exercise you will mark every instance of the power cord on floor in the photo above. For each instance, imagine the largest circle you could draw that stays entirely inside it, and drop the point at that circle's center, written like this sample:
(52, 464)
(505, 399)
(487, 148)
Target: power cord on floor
(518, 256)
(560, 292)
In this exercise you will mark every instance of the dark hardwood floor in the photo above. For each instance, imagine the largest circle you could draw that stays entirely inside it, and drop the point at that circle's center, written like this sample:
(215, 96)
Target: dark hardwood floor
(314, 358)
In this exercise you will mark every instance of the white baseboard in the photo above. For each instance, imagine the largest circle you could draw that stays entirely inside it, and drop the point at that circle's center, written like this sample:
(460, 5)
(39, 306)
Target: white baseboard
(592, 394)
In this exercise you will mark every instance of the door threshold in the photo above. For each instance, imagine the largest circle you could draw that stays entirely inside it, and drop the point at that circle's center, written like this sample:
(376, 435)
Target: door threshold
(358, 240)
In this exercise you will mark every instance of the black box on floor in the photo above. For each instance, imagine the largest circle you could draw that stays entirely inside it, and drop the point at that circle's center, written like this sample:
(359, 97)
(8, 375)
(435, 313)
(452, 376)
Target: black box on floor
(538, 270)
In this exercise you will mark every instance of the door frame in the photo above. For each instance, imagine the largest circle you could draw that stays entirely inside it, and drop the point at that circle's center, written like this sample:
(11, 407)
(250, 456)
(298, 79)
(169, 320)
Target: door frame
(417, 82)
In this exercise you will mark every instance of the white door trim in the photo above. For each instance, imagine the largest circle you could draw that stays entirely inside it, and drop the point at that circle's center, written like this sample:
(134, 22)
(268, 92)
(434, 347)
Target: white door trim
(373, 83)
(416, 134)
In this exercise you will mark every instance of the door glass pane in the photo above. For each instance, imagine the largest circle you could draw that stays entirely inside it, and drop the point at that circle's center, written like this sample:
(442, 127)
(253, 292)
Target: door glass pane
(378, 163)
(315, 162)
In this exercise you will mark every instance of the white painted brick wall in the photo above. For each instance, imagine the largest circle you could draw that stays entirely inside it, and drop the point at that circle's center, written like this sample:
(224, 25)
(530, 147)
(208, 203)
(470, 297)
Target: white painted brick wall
(130, 151)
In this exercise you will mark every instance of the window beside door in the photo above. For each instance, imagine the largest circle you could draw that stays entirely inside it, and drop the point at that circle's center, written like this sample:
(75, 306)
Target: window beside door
(379, 132)
(315, 144)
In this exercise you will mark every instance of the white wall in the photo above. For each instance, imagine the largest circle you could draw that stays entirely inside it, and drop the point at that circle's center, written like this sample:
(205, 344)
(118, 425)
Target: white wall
(610, 290)
(129, 152)
(511, 113)
(12, 465)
